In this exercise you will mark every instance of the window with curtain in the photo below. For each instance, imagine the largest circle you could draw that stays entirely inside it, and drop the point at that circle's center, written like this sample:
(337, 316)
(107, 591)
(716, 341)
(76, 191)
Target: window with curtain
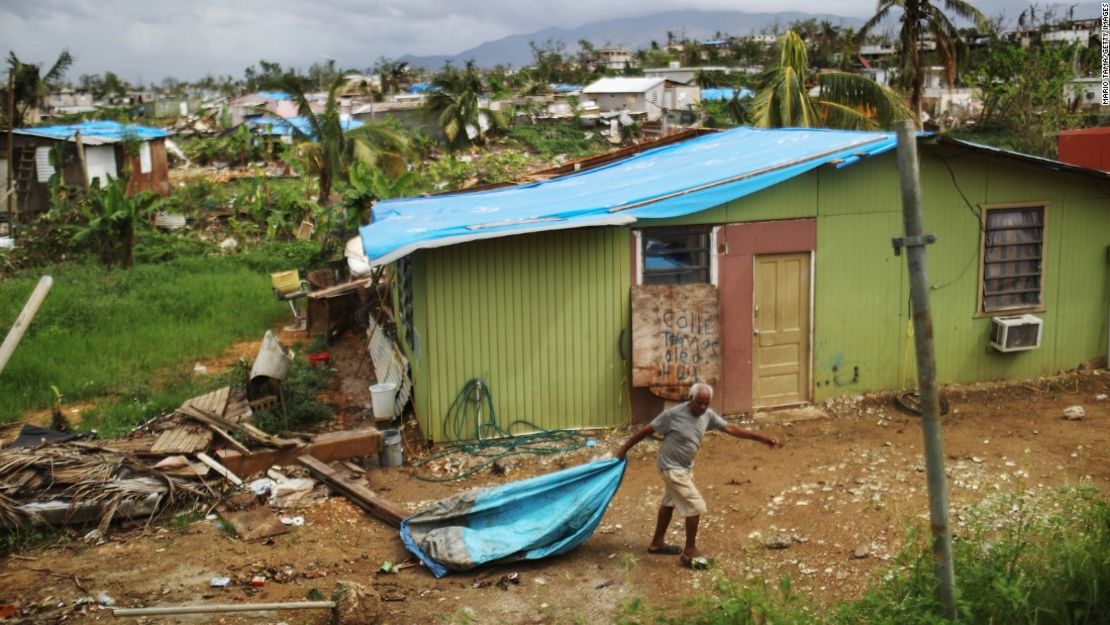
(1013, 258)
(675, 256)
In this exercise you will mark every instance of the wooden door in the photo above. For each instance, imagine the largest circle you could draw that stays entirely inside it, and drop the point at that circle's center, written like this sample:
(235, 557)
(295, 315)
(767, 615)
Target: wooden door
(780, 328)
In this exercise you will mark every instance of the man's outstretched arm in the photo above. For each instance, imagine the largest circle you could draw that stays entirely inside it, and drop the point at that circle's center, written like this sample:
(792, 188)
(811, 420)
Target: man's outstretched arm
(636, 437)
(735, 430)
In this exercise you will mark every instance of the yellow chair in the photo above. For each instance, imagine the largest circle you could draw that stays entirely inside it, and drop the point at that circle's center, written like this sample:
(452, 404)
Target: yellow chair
(288, 287)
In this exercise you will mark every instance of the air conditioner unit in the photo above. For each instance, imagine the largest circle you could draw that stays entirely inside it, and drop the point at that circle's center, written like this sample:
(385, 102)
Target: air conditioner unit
(1016, 333)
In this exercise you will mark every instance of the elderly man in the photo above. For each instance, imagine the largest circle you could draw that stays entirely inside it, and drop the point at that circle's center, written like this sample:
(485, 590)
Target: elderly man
(682, 429)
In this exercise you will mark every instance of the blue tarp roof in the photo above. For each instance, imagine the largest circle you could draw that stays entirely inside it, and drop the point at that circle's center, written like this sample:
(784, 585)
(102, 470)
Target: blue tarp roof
(419, 87)
(565, 88)
(274, 95)
(95, 132)
(670, 181)
(724, 93)
(275, 126)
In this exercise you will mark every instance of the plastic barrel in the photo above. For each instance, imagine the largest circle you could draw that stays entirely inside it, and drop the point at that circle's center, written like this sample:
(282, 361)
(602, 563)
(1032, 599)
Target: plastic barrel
(382, 397)
(392, 455)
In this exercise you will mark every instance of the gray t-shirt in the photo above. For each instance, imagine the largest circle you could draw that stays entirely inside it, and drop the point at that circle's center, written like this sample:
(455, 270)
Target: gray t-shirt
(682, 433)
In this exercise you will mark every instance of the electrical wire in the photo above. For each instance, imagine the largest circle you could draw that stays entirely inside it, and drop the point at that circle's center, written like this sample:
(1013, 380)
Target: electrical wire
(471, 427)
(978, 215)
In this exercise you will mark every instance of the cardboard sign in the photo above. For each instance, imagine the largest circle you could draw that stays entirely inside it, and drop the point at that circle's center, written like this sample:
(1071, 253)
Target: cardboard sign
(675, 335)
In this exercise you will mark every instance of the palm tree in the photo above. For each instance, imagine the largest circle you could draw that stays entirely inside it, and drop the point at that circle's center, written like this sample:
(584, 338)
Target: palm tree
(327, 148)
(453, 101)
(31, 86)
(844, 100)
(921, 17)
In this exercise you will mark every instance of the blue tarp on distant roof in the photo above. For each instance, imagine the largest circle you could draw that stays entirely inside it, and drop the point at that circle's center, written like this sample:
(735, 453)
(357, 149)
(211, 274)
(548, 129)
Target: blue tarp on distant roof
(282, 127)
(564, 88)
(669, 181)
(419, 87)
(274, 95)
(106, 131)
(724, 93)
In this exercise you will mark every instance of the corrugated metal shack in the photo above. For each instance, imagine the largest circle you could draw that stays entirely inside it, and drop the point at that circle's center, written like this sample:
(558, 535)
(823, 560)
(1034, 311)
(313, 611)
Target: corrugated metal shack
(109, 149)
(756, 260)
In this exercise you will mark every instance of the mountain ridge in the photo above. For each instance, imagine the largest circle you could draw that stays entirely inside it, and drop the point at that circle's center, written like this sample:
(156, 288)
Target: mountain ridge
(628, 32)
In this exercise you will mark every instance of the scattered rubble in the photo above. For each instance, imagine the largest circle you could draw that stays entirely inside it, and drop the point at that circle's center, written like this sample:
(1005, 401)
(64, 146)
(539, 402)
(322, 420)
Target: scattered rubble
(1074, 413)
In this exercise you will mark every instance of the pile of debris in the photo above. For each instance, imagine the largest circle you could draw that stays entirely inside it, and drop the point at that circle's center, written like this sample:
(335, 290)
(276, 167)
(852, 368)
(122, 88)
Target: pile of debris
(176, 460)
(77, 482)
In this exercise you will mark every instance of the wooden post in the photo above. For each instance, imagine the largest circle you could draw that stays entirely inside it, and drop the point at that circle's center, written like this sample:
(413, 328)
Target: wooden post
(24, 319)
(914, 243)
(11, 134)
(81, 159)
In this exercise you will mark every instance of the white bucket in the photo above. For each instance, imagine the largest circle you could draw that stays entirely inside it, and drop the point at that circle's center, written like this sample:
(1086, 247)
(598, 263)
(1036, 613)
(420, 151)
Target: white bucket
(382, 396)
(392, 455)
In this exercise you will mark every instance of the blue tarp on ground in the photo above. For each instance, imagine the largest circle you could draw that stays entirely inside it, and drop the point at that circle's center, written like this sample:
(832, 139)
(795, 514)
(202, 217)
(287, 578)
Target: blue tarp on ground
(669, 181)
(527, 520)
(105, 131)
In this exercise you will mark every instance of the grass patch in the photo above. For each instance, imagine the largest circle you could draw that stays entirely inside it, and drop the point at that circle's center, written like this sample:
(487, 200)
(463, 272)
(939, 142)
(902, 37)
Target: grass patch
(1023, 559)
(550, 140)
(31, 538)
(103, 333)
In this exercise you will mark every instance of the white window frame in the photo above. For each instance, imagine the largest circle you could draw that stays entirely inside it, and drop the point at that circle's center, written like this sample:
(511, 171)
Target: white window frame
(713, 261)
(985, 210)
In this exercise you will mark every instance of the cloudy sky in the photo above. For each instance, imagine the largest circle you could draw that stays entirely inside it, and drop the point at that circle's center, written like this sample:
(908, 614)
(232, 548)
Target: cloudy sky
(149, 39)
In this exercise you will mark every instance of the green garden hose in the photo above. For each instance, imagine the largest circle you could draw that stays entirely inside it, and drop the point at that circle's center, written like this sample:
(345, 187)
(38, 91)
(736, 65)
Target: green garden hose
(471, 427)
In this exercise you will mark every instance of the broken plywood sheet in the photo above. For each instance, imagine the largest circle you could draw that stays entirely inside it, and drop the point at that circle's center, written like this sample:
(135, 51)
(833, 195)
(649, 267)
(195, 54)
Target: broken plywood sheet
(183, 439)
(238, 409)
(212, 403)
(675, 335)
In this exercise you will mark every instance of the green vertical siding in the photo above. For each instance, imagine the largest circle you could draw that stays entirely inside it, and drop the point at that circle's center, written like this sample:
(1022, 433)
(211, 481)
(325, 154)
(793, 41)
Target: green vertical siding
(537, 317)
(862, 295)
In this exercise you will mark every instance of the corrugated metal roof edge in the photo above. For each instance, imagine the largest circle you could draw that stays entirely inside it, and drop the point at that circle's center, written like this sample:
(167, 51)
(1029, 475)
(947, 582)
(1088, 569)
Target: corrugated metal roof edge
(1040, 161)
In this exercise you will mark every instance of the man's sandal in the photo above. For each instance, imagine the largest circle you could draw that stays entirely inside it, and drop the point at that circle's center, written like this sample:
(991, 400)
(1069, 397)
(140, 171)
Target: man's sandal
(665, 550)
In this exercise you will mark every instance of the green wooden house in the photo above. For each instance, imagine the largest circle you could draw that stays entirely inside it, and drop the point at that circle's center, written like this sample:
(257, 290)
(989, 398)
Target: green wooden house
(547, 292)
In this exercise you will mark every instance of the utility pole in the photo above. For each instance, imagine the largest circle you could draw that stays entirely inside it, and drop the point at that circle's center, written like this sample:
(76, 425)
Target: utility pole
(914, 242)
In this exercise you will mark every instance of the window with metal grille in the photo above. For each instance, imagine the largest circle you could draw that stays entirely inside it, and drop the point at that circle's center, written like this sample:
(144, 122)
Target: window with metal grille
(1013, 258)
(675, 256)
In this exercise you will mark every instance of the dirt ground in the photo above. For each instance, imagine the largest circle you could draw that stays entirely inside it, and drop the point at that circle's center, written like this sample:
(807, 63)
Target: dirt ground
(839, 495)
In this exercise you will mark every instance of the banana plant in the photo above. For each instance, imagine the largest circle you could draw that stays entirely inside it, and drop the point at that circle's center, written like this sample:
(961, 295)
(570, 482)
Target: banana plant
(110, 217)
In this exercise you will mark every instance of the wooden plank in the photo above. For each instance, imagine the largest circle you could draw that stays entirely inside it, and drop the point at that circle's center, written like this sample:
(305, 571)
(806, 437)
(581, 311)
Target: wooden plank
(183, 439)
(340, 289)
(213, 425)
(356, 491)
(330, 446)
(219, 468)
(675, 335)
(247, 429)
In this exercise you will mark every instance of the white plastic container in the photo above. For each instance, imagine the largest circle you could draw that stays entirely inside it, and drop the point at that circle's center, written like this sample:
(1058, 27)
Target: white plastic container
(382, 396)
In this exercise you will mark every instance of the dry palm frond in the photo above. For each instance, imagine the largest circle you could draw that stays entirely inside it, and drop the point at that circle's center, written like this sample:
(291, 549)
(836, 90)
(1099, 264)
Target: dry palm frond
(84, 477)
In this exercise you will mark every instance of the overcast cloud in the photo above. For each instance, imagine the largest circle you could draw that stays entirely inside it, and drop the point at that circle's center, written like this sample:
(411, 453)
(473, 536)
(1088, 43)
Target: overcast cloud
(148, 40)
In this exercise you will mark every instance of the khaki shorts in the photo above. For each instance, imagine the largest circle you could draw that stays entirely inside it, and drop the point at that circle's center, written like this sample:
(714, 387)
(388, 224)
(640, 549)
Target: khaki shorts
(680, 493)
